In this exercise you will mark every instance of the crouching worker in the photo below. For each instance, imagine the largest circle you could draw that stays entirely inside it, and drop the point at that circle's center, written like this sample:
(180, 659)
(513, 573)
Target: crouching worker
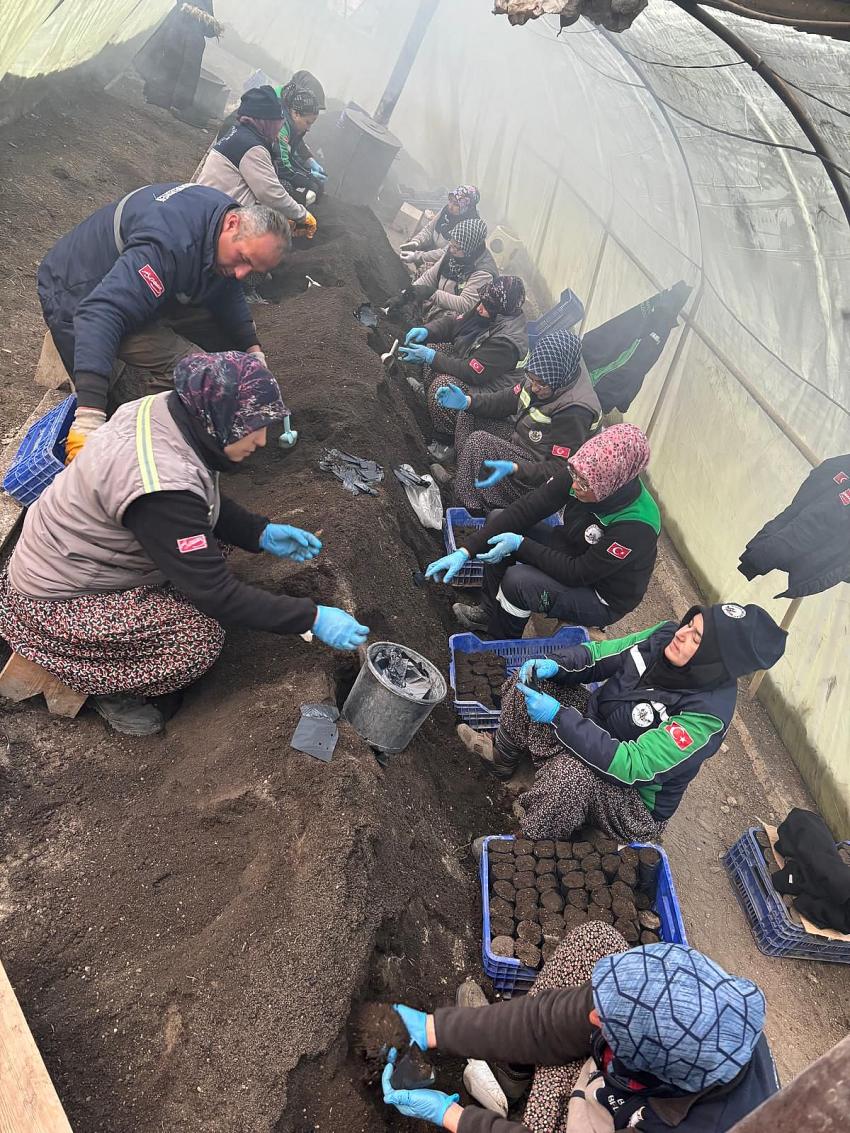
(455, 282)
(118, 585)
(591, 571)
(512, 439)
(653, 1038)
(623, 763)
(429, 243)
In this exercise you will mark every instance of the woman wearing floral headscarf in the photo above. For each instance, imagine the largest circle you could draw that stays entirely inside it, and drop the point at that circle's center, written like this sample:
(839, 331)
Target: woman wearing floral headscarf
(511, 440)
(118, 585)
(591, 571)
(455, 282)
(429, 243)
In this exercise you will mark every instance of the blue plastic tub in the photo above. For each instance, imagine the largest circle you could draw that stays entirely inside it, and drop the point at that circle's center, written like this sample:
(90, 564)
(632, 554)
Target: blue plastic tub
(566, 314)
(473, 573)
(774, 931)
(509, 976)
(473, 712)
(41, 456)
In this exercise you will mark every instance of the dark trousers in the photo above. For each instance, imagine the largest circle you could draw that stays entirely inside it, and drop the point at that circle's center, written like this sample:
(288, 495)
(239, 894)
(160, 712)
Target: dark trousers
(513, 591)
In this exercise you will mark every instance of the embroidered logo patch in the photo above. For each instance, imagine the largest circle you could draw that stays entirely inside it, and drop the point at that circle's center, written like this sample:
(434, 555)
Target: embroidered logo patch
(845, 497)
(642, 715)
(680, 736)
(619, 551)
(192, 543)
(840, 477)
(561, 450)
(152, 280)
(475, 365)
(733, 610)
(535, 436)
(593, 533)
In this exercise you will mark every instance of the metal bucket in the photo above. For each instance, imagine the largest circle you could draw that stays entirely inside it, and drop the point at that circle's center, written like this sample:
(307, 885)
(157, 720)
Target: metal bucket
(385, 716)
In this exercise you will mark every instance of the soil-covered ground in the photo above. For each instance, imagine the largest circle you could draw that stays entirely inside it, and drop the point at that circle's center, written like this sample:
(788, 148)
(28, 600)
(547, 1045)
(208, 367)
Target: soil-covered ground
(189, 920)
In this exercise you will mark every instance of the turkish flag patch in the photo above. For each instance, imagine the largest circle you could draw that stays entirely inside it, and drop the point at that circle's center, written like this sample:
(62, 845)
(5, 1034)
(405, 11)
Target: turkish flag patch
(619, 551)
(560, 450)
(475, 365)
(840, 477)
(680, 736)
(518, 387)
(192, 543)
(152, 280)
(845, 497)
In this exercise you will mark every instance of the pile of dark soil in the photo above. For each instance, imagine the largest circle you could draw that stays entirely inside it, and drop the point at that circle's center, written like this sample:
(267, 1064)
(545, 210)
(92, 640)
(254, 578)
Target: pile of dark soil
(480, 676)
(542, 890)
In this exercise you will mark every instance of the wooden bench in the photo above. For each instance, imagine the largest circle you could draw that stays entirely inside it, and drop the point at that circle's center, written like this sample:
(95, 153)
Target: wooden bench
(21, 679)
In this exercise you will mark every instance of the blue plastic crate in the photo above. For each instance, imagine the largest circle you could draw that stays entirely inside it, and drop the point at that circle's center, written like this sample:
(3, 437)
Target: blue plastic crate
(41, 456)
(774, 931)
(473, 573)
(473, 712)
(510, 976)
(566, 314)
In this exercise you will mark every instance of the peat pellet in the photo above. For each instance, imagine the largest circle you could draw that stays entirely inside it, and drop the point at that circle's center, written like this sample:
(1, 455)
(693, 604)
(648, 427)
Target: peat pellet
(526, 899)
(500, 847)
(602, 897)
(648, 920)
(605, 845)
(628, 929)
(524, 862)
(629, 855)
(593, 879)
(623, 910)
(762, 839)
(610, 864)
(502, 946)
(649, 857)
(502, 871)
(642, 900)
(546, 882)
(573, 880)
(552, 902)
(501, 927)
(563, 849)
(627, 874)
(525, 880)
(568, 865)
(597, 913)
(544, 849)
(550, 947)
(500, 908)
(647, 937)
(573, 917)
(621, 890)
(505, 890)
(531, 913)
(578, 897)
(592, 861)
(522, 846)
(529, 931)
(528, 954)
(582, 849)
(545, 865)
(552, 924)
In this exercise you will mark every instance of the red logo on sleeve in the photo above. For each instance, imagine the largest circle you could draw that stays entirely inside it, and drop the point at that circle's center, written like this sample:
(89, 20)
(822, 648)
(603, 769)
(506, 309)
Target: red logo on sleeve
(619, 551)
(680, 736)
(840, 477)
(560, 450)
(475, 365)
(845, 497)
(518, 387)
(152, 280)
(192, 543)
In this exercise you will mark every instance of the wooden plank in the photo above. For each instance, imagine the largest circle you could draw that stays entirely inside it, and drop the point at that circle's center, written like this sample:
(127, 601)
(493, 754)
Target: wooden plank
(22, 679)
(28, 1100)
(50, 372)
(10, 511)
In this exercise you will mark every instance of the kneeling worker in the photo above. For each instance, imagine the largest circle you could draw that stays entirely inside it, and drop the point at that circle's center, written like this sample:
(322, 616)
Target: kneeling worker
(118, 585)
(128, 282)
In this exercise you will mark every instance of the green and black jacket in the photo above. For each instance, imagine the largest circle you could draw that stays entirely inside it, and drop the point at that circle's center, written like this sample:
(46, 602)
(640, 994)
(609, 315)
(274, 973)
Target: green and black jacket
(637, 734)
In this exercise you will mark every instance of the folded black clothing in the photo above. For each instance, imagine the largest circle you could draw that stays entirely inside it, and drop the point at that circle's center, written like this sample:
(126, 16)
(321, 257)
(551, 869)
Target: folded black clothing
(814, 874)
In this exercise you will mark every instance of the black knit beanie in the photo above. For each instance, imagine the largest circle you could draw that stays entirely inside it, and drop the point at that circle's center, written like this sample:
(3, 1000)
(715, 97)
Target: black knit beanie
(747, 637)
(260, 102)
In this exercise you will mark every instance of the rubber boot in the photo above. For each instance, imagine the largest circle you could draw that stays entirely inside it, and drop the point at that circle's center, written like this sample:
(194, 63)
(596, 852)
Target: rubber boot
(442, 453)
(499, 764)
(129, 715)
(471, 617)
(441, 475)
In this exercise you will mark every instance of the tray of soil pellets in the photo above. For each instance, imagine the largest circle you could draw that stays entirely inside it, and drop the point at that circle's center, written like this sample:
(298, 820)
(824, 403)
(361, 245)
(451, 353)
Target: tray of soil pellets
(478, 669)
(457, 524)
(535, 892)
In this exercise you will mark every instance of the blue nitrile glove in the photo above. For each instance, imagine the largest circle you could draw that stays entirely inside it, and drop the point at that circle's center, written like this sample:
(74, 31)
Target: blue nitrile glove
(416, 334)
(499, 469)
(290, 542)
(415, 1022)
(452, 397)
(451, 564)
(429, 1105)
(542, 708)
(419, 355)
(338, 629)
(503, 545)
(540, 667)
(316, 170)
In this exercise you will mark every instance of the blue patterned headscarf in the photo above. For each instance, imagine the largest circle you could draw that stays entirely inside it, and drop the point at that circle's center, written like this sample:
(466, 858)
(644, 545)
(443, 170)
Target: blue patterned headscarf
(232, 394)
(556, 359)
(669, 1011)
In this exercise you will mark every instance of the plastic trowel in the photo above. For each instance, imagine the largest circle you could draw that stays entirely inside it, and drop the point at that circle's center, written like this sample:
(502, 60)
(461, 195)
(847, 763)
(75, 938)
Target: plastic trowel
(289, 436)
(390, 359)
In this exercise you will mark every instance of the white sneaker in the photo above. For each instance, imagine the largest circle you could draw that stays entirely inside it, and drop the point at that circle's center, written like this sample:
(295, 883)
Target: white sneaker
(482, 1085)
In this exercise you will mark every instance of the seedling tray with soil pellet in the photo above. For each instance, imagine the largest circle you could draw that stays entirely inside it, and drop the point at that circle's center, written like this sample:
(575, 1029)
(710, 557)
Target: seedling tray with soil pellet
(633, 890)
(458, 523)
(473, 711)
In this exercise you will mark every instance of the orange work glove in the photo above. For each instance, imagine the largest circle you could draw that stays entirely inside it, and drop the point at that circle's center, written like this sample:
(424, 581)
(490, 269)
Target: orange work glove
(85, 422)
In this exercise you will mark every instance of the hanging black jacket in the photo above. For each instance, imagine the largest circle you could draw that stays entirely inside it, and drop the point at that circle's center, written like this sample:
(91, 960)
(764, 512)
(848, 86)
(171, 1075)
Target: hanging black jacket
(621, 352)
(810, 540)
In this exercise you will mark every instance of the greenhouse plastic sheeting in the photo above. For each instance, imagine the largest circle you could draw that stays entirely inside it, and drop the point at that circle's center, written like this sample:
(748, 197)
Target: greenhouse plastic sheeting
(583, 144)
